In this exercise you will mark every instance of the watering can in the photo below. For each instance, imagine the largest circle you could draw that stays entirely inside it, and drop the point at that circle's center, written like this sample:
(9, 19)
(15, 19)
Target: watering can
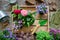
(3, 16)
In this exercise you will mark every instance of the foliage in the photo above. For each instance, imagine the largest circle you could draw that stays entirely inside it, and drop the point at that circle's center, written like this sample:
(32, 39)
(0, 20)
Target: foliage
(55, 33)
(55, 20)
(6, 35)
(42, 35)
(42, 22)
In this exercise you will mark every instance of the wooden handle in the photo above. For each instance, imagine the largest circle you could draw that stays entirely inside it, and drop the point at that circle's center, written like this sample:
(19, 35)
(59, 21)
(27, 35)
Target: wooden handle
(34, 30)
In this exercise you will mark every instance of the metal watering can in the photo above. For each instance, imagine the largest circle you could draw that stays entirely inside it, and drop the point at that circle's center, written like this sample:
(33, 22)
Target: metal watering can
(3, 17)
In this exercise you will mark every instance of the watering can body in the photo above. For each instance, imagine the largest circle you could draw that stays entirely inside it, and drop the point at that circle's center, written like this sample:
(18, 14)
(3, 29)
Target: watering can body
(3, 16)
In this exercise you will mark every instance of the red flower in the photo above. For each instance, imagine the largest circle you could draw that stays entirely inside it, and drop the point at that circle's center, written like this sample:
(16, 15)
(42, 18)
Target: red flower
(17, 11)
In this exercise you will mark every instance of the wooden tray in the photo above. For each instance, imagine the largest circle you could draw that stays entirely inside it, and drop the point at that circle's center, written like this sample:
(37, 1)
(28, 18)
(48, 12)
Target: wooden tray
(27, 29)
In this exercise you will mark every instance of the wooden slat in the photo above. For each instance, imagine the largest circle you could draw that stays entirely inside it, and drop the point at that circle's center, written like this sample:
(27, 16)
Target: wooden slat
(31, 1)
(28, 29)
(28, 6)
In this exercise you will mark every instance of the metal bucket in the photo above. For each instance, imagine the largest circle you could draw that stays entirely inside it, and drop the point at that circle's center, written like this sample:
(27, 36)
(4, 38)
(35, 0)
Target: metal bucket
(12, 1)
(3, 16)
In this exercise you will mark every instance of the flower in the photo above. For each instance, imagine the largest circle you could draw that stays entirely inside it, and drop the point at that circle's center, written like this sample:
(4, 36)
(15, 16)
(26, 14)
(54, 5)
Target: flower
(8, 29)
(58, 31)
(17, 11)
(20, 21)
(42, 9)
(24, 12)
(52, 30)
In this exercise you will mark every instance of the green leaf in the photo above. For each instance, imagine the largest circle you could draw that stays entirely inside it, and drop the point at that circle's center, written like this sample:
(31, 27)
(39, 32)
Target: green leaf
(14, 15)
(19, 7)
(16, 22)
(34, 13)
(5, 32)
(20, 16)
(29, 20)
(42, 22)
(1, 33)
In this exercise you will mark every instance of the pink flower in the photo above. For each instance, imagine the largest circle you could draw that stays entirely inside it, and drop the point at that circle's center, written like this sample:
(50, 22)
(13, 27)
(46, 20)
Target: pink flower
(24, 12)
(17, 11)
